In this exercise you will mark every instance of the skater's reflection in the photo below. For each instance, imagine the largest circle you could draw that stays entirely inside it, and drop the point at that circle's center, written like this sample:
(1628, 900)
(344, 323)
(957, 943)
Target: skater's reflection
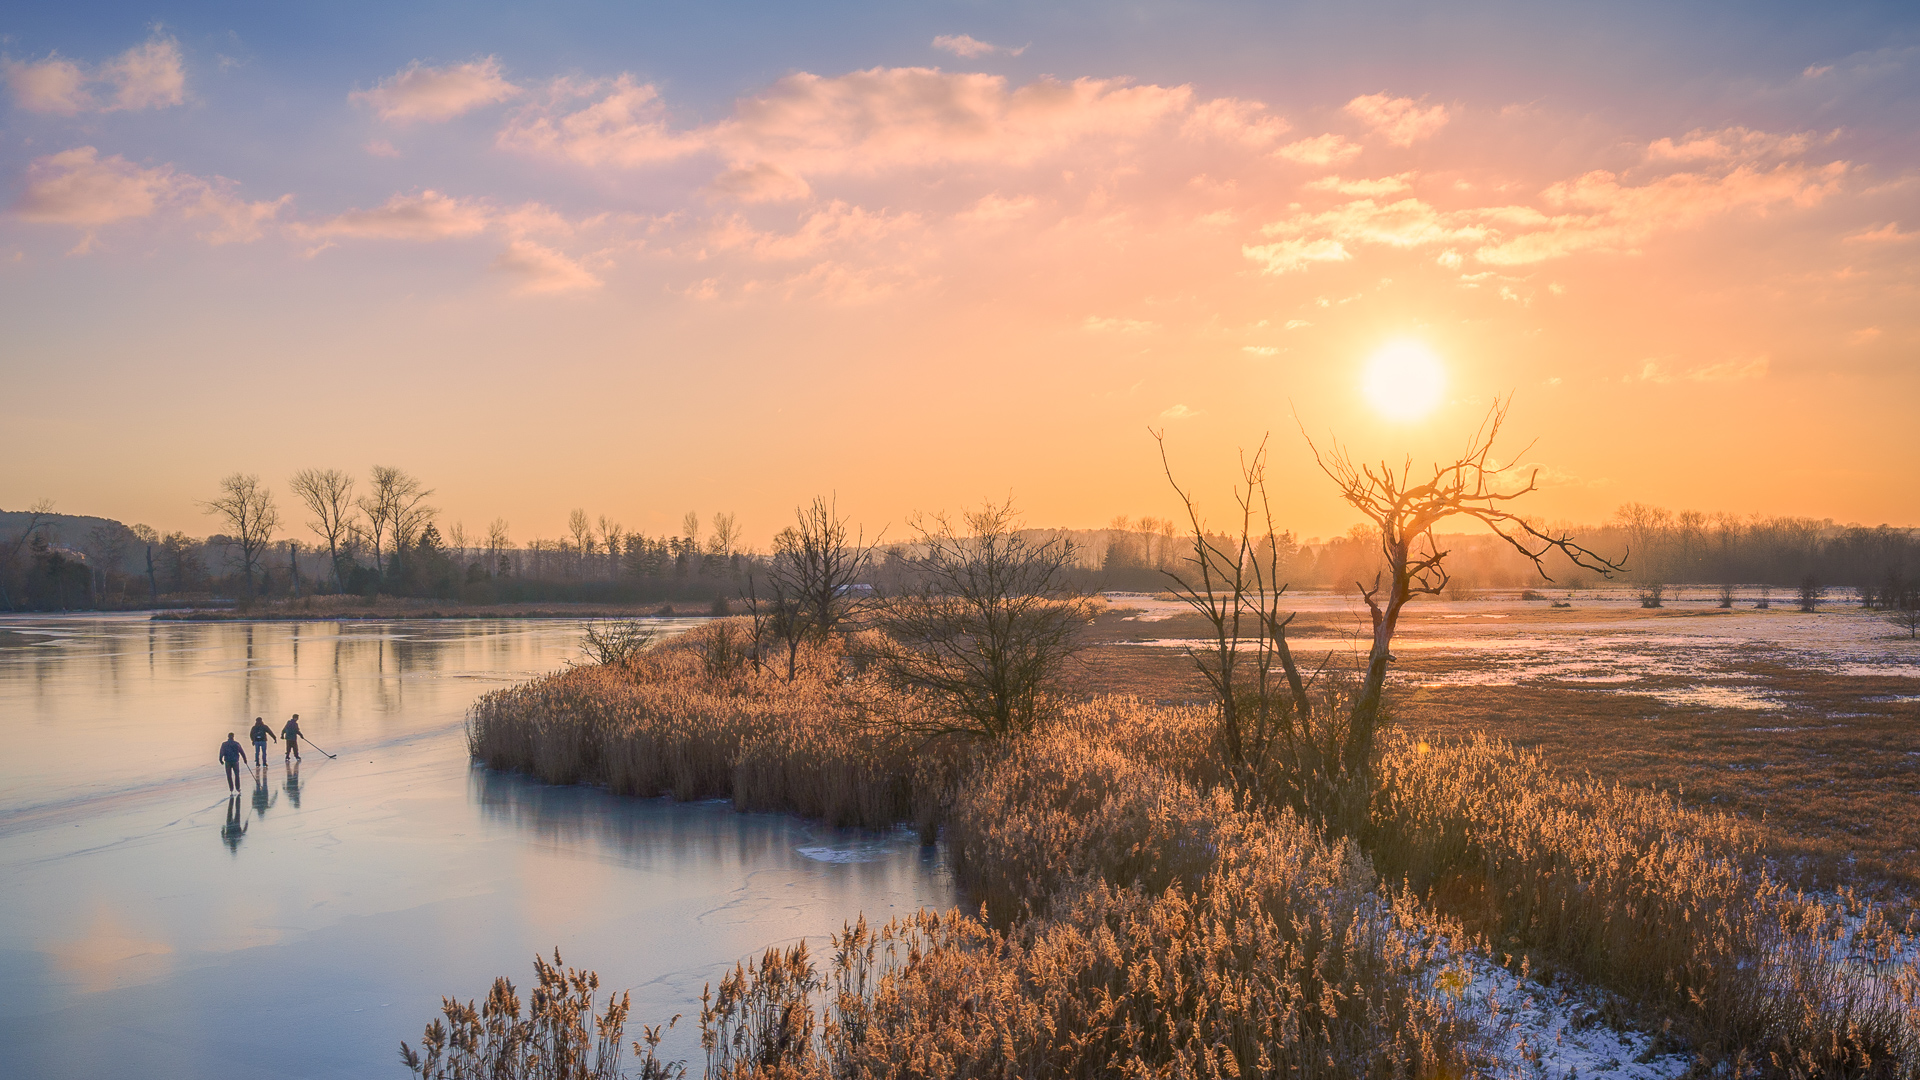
(263, 799)
(291, 785)
(234, 830)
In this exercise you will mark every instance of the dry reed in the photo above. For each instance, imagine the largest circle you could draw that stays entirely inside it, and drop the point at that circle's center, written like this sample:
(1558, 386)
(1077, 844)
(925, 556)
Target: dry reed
(1139, 920)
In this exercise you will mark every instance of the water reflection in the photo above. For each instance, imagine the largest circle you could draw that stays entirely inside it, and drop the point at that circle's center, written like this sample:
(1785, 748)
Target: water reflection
(263, 799)
(401, 875)
(235, 829)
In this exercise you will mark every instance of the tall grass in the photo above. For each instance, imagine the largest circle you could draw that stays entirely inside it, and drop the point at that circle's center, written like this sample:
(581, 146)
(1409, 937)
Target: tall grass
(1139, 919)
(1672, 907)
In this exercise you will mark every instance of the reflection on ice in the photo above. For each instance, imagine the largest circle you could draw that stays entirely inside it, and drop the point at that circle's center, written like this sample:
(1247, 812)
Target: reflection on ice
(331, 904)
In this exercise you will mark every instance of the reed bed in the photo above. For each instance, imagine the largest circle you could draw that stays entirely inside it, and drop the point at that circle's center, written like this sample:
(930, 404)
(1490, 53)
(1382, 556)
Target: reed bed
(1139, 918)
(1674, 908)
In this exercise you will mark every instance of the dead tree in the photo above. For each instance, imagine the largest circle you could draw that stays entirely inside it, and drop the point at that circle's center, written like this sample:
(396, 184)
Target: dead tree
(1266, 732)
(1406, 512)
(988, 626)
(247, 508)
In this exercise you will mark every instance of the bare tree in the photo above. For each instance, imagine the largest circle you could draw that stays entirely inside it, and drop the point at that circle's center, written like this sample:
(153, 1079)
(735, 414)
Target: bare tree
(611, 535)
(1405, 511)
(726, 536)
(106, 550)
(820, 563)
(498, 542)
(690, 525)
(396, 507)
(1267, 736)
(990, 625)
(328, 496)
(581, 530)
(247, 508)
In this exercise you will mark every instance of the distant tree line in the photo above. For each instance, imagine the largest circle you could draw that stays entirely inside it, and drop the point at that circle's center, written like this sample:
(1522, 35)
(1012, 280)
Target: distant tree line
(381, 535)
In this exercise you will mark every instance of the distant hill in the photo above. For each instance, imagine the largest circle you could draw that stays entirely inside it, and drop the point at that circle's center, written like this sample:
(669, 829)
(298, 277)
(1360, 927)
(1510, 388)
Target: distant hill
(98, 537)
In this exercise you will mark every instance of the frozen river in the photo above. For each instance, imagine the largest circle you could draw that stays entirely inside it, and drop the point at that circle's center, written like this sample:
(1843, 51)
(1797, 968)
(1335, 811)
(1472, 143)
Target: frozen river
(149, 926)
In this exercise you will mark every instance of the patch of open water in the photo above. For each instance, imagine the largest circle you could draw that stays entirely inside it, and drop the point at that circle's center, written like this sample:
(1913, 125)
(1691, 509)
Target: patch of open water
(151, 925)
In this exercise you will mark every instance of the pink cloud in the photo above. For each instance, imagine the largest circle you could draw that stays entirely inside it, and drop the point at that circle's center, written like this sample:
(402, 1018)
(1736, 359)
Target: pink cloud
(762, 181)
(1729, 144)
(147, 76)
(542, 271)
(1401, 121)
(80, 188)
(1320, 150)
(426, 216)
(626, 126)
(1596, 211)
(866, 122)
(419, 92)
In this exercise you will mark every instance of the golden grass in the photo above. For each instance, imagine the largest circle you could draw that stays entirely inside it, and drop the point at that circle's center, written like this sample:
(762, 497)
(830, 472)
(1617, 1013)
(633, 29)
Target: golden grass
(1138, 920)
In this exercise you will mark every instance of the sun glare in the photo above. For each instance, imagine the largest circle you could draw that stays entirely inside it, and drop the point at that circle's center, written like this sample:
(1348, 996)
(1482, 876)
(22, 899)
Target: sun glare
(1404, 380)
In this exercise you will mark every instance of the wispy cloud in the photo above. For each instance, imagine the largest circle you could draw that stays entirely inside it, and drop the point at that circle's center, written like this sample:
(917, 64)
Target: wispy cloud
(969, 47)
(1401, 121)
(543, 271)
(428, 215)
(147, 76)
(80, 188)
(420, 92)
(1326, 149)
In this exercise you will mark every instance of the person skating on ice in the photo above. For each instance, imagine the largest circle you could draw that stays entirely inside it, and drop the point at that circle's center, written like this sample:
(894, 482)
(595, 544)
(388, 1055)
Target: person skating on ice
(260, 733)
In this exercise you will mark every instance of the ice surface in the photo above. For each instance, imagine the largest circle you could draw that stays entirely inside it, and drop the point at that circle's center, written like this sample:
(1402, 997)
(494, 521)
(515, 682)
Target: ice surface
(142, 934)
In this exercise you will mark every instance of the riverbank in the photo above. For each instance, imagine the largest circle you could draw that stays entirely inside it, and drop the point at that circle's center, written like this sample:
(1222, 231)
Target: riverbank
(1126, 890)
(336, 608)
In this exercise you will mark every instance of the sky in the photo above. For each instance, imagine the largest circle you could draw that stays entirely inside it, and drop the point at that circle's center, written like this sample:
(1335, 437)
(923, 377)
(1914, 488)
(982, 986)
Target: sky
(645, 259)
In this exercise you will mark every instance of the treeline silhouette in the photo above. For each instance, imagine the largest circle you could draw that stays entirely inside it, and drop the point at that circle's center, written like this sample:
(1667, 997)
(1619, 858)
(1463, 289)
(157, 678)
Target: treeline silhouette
(389, 541)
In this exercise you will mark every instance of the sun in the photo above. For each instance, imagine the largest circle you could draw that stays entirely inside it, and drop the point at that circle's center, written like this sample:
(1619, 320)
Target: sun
(1404, 380)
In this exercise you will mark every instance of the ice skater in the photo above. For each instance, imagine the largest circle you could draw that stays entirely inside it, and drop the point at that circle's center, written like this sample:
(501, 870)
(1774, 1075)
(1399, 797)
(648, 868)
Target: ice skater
(260, 733)
(290, 735)
(231, 755)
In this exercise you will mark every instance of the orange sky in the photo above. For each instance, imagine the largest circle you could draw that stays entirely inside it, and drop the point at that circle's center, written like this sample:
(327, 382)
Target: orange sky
(921, 283)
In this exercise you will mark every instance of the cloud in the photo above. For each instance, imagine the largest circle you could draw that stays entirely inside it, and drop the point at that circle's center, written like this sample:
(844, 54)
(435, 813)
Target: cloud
(1866, 335)
(969, 47)
(1320, 150)
(1400, 120)
(543, 271)
(381, 148)
(419, 92)
(1238, 120)
(1109, 325)
(147, 76)
(1730, 371)
(80, 188)
(426, 216)
(1386, 185)
(834, 227)
(1289, 255)
(1260, 350)
(1180, 412)
(1886, 234)
(1729, 144)
(1597, 211)
(1603, 214)
(762, 181)
(53, 85)
(861, 123)
(626, 126)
